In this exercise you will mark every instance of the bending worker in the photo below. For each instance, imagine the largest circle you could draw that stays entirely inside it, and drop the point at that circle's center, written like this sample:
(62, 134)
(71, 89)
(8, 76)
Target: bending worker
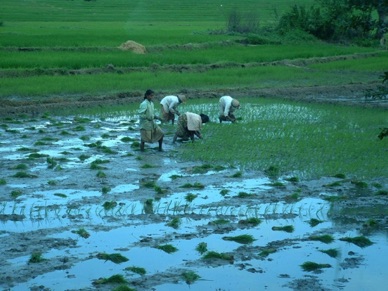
(169, 107)
(227, 106)
(189, 124)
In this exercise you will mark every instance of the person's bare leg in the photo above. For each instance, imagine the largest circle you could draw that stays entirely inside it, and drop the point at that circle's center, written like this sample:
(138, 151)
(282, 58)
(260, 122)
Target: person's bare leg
(160, 144)
(142, 146)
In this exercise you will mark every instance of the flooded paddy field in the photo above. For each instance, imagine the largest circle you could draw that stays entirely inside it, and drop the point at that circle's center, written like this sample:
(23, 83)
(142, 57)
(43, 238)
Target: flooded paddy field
(83, 209)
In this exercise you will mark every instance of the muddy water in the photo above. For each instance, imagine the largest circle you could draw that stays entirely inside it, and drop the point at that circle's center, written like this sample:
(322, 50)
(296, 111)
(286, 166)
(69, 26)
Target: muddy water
(60, 192)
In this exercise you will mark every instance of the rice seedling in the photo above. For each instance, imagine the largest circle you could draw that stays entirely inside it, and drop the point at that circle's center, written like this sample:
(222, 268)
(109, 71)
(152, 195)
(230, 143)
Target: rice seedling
(36, 156)
(127, 139)
(201, 248)
(21, 167)
(84, 137)
(241, 239)
(292, 179)
(174, 223)
(340, 176)
(382, 192)
(22, 174)
(168, 248)
(201, 169)
(83, 157)
(252, 221)
(212, 255)
(51, 163)
(311, 266)
(196, 185)
(292, 197)
(3, 181)
(149, 184)
(16, 193)
(314, 222)
(190, 277)
(60, 195)
(159, 190)
(359, 184)
(82, 233)
(36, 257)
(147, 166)
(137, 270)
(273, 172)
(114, 279)
(223, 192)
(266, 252)
(174, 177)
(123, 288)
(243, 195)
(109, 205)
(135, 145)
(115, 257)
(277, 184)
(326, 238)
(331, 252)
(190, 197)
(79, 128)
(286, 228)
(100, 174)
(220, 221)
(105, 190)
(237, 175)
(360, 241)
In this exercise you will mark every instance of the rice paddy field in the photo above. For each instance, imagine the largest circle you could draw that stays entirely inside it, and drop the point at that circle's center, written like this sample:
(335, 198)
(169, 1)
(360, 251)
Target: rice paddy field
(293, 196)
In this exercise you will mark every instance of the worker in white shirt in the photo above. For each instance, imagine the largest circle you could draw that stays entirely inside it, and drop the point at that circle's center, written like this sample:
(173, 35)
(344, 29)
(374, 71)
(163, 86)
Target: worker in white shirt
(227, 107)
(169, 107)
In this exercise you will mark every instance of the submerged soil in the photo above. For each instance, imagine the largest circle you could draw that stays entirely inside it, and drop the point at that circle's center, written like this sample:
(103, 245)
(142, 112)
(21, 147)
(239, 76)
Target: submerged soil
(66, 176)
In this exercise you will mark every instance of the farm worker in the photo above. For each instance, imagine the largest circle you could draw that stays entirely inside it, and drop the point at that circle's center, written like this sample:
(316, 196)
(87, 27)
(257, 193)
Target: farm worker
(189, 124)
(149, 130)
(169, 107)
(227, 106)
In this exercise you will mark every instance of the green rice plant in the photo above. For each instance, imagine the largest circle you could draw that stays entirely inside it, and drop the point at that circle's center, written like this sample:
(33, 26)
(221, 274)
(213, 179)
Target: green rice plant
(51, 163)
(201, 169)
(340, 176)
(190, 197)
(82, 233)
(292, 197)
(114, 279)
(105, 190)
(16, 193)
(126, 139)
(149, 184)
(159, 190)
(334, 184)
(36, 257)
(241, 239)
(123, 288)
(243, 195)
(21, 167)
(84, 137)
(266, 252)
(360, 184)
(36, 156)
(292, 179)
(334, 198)
(174, 177)
(252, 221)
(3, 181)
(201, 248)
(277, 184)
(286, 228)
(196, 185)
(237, 175)
(147, 166)
(331, 252)
(190, 277)
(311, 266)
(22, 174)
(100, 174)
(135, 145)
(83, 157)
(314, 222)
(167, 248)
(220, 221)
(272, 172)
(223, 192)
(109, 205)
(60, 195)
(137, 270)
(326, 238)
(115, 257)
(211, 255)
(174, 223)
(79, 128)
(360, 241)
(148, 206)
(382, 192)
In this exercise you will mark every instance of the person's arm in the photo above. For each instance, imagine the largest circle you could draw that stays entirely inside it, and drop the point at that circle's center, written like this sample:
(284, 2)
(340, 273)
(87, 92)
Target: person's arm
(173, 108)
(175, 137)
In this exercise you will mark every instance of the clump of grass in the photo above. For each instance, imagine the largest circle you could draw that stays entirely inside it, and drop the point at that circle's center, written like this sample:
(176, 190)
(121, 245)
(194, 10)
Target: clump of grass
(215, 255)
(286, 228)
(105, 190)
(123, 288)
(382, 192)
(243, 195)
(371, 223)
(219, 221)
(149, 184)
(126, 139)
(22, 174)
(331, 252)
(137, 270)
(115, 279)
(52, 182)
(241, 239)
(277, 184)
(333, 198)
(3, 181)
(292, 197)
(60, 195)
(36, 257)
(16, 193)
(115, 258)
(101, 174)
(360, 241)
(254, 221)
(190, 277)
(135, 144)
(292, 179)
(340, 176)
(201, 169)
(237, 175)
(109, 205)
(148, 206)
(21, 167)
(360, 184)
(311, 266)
(334, 184)
(174, 177)
(82, 232)
(267, 252)
(196, 185)
(201, 248)
(174, 223)
(167, 248)
(272, 172)
(79, 128)
(190, 197)
(147, 166)
(326, 238)
(159, 190)
(314, 222)
(83, 157)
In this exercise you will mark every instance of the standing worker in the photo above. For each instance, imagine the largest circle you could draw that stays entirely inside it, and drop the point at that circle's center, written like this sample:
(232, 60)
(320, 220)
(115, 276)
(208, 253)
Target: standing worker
(227, 106)
(189, 124)
(169, 107)
(149, 130)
